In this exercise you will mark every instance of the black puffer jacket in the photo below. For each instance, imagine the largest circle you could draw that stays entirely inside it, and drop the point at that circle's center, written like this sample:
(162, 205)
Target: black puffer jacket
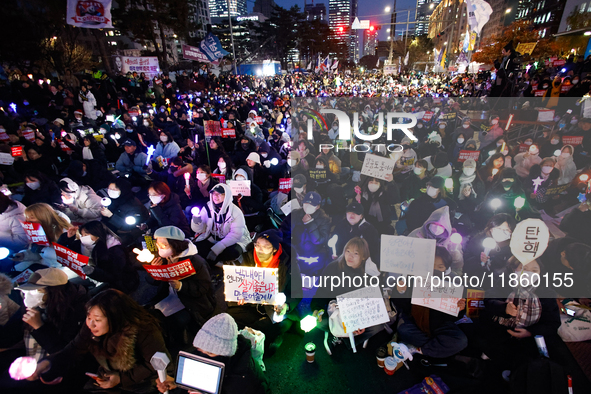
(169, 213)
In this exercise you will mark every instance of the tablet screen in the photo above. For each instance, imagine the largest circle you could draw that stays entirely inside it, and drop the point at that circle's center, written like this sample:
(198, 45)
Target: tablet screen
(199, 374)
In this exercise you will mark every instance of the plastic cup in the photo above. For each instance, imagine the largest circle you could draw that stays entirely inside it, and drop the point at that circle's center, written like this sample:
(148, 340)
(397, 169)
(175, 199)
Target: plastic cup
(390, 365)
(310, 349)
(381, 355)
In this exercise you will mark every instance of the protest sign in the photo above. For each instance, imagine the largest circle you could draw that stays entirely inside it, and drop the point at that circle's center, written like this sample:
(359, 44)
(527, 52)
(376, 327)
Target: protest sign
(144, 64)
(290, 206)
(572, 140)
(35, 233)
(72, 260)
(170, 272)
(4, 136)
(285, 185)
(150, 243)
(64, 147)
(526, 47)
(523, 148)
(318, 175)
(427, 116)
(221, 178)
(448, 116)
(474, 302)
(258, 119)
(228, 133)
(16, 151)
(539, 93)
(6, 159)
(362, 308)
(212, 128)
(194, 53)
(468, 154)
(443, 298)
(406, 255)
(240, 187)
(21, 278)
(92, 14)
(529, 240)
(252, 284)
(29, 135)
(377, 166)
(554, 190)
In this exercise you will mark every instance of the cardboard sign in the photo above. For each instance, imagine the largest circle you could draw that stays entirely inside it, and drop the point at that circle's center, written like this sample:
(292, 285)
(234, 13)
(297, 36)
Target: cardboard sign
(318, 175)
(406, 255)
(474, 302)
(6, 159)
(221, 178)
(572, 140)
(21, 278)
(529, 240)
(240, 187)
(377, 166)
(554, 190)
(35, 233)
(228, 133)
(285, 185)
(252, 284)
(29, 135)
(72, 260)
(16, 151)
(362, 308)
(468, 154)
(212, 128)
(170, 272)
(443, 298)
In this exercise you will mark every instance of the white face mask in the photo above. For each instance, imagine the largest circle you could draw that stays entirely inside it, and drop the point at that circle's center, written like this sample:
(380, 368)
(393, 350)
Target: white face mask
(547, 169)
(565, 155)
(156, 199)
(460, 140)
(499, 235)
(292, 162)
(465, 126)
(436, 229)
(222, 165)
(309, 209)
(469, 171)
(33, 298)
(494, 121)
(373, 187)
(299, 190)
(418, 170)
(527, 143)
(146, 123)
(554, 142)
(87, 240)
(420, 126)
(34, 185)
(264, 154)
(442, 126)
(320, 167)
(113, 193)
(432, 191)
(164, 138)
(239, 178)
(202, 177)
(68, 200)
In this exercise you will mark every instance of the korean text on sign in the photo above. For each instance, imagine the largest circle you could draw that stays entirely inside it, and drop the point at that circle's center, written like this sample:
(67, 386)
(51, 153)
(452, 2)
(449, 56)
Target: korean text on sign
(176, 271)
(35, 233)
(468, 154)
(72, 260)
(285, 185)
(377, 167)
(251, 284)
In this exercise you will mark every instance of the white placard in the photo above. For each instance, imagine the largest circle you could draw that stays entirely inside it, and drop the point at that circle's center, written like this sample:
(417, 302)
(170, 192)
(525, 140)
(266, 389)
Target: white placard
(239, 187)
(6, 159)
(443, 298)
(362, 308)
(529, 240)
(252, 284)
(290, 206)
(377, 166)
(407, 255)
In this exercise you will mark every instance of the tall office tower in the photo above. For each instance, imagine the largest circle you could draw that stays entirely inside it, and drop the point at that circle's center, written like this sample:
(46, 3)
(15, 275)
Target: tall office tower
(219, 8)
(264, 7)
(424, 10)
(341, 14)
(315, 11)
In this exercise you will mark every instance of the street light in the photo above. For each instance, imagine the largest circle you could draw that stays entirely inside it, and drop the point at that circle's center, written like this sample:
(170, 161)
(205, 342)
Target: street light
(431, 6)
(387, 9)
(445, 43)
(508, 10)
(587, 33)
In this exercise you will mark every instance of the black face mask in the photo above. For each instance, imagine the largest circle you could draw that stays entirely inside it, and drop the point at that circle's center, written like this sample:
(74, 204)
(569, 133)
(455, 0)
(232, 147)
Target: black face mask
(245, 146)
(507, 184)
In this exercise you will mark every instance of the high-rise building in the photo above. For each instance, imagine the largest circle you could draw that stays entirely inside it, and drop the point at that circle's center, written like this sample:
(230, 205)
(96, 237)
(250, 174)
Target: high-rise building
(448, 27)
(370, 40)
(315, 11)
(424, 10)
(219, 8)
(264, 7)
(341, 14)
(199, 14)
(546, 15)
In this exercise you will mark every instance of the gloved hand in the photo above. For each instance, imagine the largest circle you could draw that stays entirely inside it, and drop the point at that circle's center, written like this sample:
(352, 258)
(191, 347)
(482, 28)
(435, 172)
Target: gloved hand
(211, 256)
(267, 164)
(197, 219)
(87, 269)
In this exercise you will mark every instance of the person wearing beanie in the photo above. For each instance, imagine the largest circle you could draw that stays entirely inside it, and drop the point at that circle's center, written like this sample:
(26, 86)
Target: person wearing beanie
(220, 340)
(524, 161)
(194, 292)
(549, 175)
(310, 232)
(132, 163)
(495, 131)
(434, 198)
(259, 174)
(221, 230)
(80, 203)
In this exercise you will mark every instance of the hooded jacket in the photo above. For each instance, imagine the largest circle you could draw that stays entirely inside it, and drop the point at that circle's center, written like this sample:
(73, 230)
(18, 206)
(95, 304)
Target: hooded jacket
(441, 217)
(524, 161)
(225, 227)
(85, 199)
(566, 166)
(12, 234)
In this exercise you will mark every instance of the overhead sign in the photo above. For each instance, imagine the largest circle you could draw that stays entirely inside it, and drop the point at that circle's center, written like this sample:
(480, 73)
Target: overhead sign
(360, 25)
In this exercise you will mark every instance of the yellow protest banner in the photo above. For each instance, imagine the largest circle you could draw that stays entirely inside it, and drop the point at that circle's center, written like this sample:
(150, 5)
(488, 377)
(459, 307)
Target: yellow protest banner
(526, 47)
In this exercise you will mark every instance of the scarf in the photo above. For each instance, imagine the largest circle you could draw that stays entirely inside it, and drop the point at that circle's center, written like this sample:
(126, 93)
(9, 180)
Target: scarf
(375, 210)
(203, 187)
(528, 306)
(273, 263)
(467, 179)
(87, 153)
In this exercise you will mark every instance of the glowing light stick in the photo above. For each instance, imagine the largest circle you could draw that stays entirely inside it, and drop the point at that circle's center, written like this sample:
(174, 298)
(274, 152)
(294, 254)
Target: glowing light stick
(4, 252)
(195, 211)
(151, 150)
(130, 220)
(12, 106)
(584, 177)
(274, 161)
(495, 171)
(488, 244)
(456, 238)
(449, 183)
(143, 256)
(105, 201)
(495, 203)
(159, 362)
(508, 125)
(22, 368)
(557, 152)
(308, 323)
(332, 243)
(537, 182)
(519, 202)
(187, 176)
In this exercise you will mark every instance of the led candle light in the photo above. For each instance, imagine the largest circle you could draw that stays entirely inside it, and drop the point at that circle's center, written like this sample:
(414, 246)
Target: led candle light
(308, 323)
(105, 201)
(584, 177)
(22, 368)
(489, 244)
(130, 220)
(143, 256)
(495, 171)
(187, 176)
(495, 203)
(195, 211)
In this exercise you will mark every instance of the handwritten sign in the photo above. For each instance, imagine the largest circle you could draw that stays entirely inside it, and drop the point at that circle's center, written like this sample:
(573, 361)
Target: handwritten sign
(35, 233)
(318, 175)
(72, 260)
(572, 140)
(228, 133)
(377, 167)
(221, 178)
(252, 284)
(545, 115)
(529, 240)
(285, 185)
(443, 298)
(16, 151)
(176, 271)
(448, 116)
(362, 308)
(212, 128)
(6, 159)
(468, 154)
(240, 187)
(406, 255)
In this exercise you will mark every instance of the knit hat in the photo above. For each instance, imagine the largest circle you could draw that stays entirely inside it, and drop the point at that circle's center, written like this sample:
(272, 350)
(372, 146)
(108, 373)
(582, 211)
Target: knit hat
(273, 236)
(219, 335)
(439, 160)
(45, 277)
(355, 207)
(254, 157)
(312, 198)
(436, 182)
(170, 232)
(295, 155)
(470, 163)
(78, 112)
(299, 180)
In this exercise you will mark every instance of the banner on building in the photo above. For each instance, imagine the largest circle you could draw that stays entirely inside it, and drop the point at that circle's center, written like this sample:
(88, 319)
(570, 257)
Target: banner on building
(92, 14)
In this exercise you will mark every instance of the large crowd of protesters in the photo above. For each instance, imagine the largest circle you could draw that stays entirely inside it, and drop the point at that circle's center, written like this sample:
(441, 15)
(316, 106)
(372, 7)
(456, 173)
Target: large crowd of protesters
(145, 144)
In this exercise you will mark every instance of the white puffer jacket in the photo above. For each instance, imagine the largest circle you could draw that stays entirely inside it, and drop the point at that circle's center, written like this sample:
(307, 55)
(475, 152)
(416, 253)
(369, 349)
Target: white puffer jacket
(12, 234)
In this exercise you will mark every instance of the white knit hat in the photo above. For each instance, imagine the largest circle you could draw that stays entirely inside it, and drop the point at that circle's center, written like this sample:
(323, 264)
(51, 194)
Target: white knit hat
(219, 335)
(254, 157)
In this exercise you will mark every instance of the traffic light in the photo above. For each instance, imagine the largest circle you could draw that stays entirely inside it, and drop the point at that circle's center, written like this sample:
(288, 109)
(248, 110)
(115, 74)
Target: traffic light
(372, 28)
(341, 29)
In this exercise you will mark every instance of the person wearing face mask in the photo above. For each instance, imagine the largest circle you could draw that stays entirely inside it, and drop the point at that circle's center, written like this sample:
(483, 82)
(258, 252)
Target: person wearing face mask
(310, 232)
(491, 171)
(124, 205)
(378, 198)
(552, 145)
(434, 198)
(244, 147)
(33, 158)
(167, 148)
(439, 164)
(89, 150)
(252, 206)
(165, 208)
(549, 176)
(406, 161)
(495, 131)
(465, 130)
(54, 314)
(220, 226)
(80, 203)
(12, 233)
(412, 185)
(225, 167)
(456, 146)
(174, 177)
(90, 173)
(40, 189)
(512, 317)
(500, 228)
(566, 165)
(195, 292)
(525, 160)
(220, 340)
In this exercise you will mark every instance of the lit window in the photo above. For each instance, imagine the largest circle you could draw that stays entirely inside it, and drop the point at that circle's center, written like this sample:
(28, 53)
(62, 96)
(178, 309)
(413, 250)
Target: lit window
(583, 6)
